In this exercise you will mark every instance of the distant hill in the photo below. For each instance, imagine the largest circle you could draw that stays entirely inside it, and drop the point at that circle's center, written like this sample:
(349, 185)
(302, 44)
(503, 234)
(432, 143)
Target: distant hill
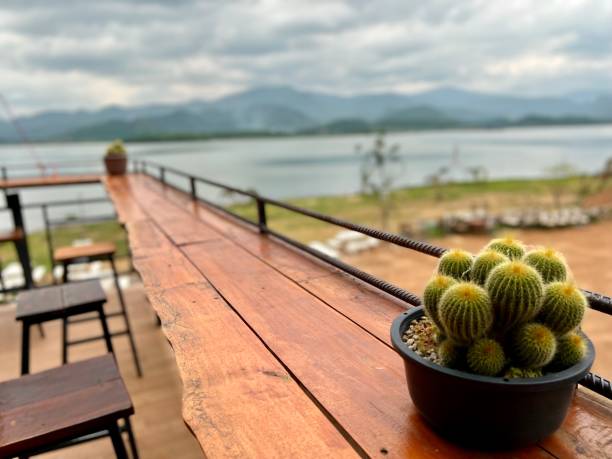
(285, 110)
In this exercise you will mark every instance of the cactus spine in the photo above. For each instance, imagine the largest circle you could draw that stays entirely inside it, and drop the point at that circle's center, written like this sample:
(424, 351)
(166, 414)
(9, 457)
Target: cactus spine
(433, 292)
(516, 291)
(456, 263)
(510, 247)
(486, 357)
(563, 307)
(465, 312)
(484, 264)
(450, 354)
(548, 263)
(571, 349)
(515, 372)
(534, 345)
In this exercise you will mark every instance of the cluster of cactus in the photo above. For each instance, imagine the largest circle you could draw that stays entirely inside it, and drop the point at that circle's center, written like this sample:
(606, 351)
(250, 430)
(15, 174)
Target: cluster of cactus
(507, 311)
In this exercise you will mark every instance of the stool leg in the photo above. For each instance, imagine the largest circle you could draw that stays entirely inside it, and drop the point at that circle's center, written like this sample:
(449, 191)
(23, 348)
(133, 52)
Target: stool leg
(41, 330)
(131, 438)
(118, 445)
(125, 316)
(25, 348)
(65, 272)
(106, 333)
(64, 340)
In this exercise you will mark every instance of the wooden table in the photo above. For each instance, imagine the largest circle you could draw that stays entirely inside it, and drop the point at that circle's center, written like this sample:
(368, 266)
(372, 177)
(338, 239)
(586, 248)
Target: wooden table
(48, 180)
(282, 355)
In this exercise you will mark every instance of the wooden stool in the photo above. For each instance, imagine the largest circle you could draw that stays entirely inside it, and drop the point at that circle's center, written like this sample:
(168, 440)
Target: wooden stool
(60, 302)
(65, 406)
(104, 251)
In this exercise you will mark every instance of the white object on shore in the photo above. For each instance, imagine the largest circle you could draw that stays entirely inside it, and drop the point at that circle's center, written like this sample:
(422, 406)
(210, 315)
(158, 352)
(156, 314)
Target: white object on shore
(323, 248)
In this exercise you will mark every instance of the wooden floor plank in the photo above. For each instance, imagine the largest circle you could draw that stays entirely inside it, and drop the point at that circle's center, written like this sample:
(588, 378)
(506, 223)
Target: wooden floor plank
(358, 379)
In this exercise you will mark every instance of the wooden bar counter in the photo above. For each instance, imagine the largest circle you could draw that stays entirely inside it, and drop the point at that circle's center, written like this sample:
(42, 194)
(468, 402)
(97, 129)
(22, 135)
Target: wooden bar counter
(282, 355)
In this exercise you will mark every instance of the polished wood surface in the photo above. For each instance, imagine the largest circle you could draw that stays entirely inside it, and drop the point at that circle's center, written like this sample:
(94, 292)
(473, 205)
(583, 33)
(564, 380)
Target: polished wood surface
(62, 403)
(328, 330)
(98, 249)
(49, 180)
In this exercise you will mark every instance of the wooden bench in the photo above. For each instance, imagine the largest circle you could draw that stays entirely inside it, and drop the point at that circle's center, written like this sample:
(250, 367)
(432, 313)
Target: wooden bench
(282, 355)
(64, 406)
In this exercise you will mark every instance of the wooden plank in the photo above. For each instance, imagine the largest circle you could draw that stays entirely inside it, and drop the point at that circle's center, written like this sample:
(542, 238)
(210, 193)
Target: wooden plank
(356, 378)
(166, 270)
(146, 239)
(238, 400)
(61, 403)
(587, 431)
(49, 180)
(119, 190)
(95, 249)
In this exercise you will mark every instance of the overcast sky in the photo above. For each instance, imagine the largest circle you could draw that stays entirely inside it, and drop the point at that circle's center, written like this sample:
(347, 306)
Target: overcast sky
(81, 54)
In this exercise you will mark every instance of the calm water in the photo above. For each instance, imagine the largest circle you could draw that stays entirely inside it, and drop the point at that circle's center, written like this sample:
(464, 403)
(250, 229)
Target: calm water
(306, 166)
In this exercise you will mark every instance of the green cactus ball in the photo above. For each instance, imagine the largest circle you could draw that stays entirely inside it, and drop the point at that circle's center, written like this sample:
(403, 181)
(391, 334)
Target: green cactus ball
(533, 345)
(571, 349)
(563, 307)
(484, 264)
(548, 263)
(465, 312)
(450, 354)
(515, 372)
(512, 248)
(456, 263)
(516, 292)
(486, 357)
(433, 292)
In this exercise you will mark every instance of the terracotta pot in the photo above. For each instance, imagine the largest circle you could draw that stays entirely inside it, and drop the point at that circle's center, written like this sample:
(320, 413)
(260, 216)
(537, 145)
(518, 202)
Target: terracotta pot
(115, 164)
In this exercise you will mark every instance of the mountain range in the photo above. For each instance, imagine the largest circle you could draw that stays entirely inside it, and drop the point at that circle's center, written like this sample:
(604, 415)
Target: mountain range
(285, 110)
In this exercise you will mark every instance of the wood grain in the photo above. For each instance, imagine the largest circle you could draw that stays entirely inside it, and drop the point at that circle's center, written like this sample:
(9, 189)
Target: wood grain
(238, 400)
(95, 249)
(356, 378)
(61, 403)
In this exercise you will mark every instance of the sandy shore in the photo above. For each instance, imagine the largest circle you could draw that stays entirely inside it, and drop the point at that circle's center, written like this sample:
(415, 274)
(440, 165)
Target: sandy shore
(588, 251)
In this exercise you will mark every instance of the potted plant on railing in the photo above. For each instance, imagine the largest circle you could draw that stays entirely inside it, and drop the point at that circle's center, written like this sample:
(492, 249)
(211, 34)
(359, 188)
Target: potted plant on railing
(493, 357)
(115, 159)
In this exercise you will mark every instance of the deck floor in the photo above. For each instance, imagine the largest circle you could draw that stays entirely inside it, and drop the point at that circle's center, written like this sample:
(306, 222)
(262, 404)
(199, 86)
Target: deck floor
(159, 427)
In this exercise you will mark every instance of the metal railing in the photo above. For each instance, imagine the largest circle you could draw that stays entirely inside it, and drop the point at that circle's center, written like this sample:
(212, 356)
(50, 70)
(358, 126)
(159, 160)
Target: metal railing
(597, 301)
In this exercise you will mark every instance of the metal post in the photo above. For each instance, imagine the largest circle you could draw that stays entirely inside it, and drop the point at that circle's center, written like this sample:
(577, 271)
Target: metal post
(21, 245)
(162, 174)
(144, 167)
(4, 173)
(261, 215)
(48, 237)
(192, 185)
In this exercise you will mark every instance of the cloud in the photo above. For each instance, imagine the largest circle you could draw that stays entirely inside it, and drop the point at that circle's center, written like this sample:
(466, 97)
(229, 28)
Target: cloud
(86, 54)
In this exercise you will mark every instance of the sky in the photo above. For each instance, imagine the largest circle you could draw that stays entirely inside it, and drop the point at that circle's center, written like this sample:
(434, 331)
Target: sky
(81, 54)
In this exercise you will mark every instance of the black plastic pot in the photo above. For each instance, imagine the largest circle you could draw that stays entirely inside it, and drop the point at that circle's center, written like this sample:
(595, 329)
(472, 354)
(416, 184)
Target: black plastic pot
(486, 412)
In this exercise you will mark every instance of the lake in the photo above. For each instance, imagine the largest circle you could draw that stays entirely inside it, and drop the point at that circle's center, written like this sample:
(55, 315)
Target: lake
(323, 165)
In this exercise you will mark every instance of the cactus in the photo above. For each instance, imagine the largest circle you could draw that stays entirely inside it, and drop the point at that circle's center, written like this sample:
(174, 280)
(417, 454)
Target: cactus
(508, 246)
(465, 312)
(433, 292)
(456, 263)
(516, 372)
(533, 345)
(571, 349)
(516, 292)
(563, 307)
(548, 263)
(484, 264)
(486, 357)
(450, 354)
